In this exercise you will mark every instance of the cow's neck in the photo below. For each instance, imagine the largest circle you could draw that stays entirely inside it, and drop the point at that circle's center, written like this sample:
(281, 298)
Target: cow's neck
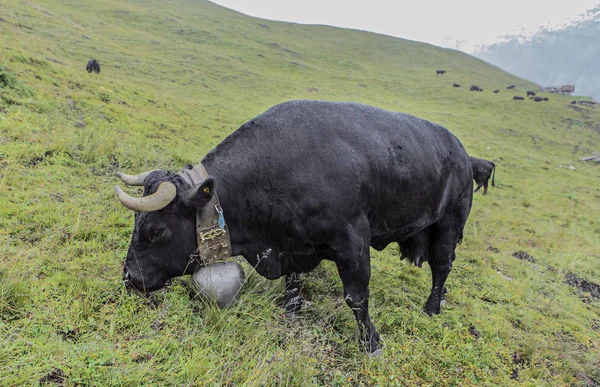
(212, 235)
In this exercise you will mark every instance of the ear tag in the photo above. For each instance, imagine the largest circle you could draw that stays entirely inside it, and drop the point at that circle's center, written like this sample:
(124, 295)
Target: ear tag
(206, 190)
(221, 220)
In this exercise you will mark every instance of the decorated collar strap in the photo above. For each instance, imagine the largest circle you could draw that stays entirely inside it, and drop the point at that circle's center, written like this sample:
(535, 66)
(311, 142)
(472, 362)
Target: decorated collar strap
(212, 234)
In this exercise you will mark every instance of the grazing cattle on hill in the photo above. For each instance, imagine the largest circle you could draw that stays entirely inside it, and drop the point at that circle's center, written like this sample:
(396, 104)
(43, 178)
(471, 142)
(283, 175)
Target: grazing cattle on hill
(530, 93)
(354, 176)
(93, 66)
(440, 72)
(474, 88)
(573, 102)
(538, 99)
(510, 87)
(455, 84)
(518, 98)
(496, 91)
(482, 171)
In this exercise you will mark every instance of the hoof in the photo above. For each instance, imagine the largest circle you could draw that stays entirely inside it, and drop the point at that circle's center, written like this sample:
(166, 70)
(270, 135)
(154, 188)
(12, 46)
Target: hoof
(292, 309)
(431, 309)
(377, 352)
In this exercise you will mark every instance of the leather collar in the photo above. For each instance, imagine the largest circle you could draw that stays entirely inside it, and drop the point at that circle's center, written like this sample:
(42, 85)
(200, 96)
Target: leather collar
(212, 234)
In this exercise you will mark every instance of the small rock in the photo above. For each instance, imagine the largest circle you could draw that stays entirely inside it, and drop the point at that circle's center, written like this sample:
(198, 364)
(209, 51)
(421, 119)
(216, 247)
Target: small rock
(488, 148)
(572, 168)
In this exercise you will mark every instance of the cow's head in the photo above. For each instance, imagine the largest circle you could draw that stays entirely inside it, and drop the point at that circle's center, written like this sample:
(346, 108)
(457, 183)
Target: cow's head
(164, 233)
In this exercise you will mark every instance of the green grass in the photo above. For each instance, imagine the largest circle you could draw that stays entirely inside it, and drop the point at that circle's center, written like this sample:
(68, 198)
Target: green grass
(180, 75)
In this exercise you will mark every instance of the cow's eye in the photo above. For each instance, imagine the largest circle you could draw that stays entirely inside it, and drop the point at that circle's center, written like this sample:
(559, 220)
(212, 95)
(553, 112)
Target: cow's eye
(156, 234)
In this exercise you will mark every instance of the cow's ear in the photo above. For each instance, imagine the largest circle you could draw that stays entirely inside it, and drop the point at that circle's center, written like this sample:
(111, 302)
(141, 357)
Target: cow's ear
(200, 195)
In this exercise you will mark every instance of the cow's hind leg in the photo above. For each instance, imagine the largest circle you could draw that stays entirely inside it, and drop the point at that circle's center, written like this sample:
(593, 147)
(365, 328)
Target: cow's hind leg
(352, 257)
(485, 187)
(443, 238)
(292, 299)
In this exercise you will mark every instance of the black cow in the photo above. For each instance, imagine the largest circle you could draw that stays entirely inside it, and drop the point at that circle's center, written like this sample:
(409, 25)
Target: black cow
(530, 93)
(510, 87)
(455, 84)
(482, 171)
(313, 180)
(518, 98)
(474, 88)
(496, 91)
(440, 72)
(93, 66)
(538, 99)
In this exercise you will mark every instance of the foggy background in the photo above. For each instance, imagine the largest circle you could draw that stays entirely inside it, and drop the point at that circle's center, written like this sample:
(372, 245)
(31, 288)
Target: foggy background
(567, 54)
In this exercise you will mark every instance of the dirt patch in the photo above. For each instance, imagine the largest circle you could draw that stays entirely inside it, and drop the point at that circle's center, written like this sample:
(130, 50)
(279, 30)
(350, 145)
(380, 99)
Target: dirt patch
(56, 376)
(69, 335)
(493, 249)
(312, 90)
(585, 288)
(474, 332)
(141, 358)
(576, 108)
(34, 161)
(524, 256)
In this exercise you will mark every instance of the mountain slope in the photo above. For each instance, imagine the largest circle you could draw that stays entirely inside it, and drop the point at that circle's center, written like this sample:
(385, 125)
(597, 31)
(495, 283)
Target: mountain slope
(566, 55)
(178, 76)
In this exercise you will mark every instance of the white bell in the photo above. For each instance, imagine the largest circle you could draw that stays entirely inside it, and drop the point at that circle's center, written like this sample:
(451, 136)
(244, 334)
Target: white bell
(219, 282)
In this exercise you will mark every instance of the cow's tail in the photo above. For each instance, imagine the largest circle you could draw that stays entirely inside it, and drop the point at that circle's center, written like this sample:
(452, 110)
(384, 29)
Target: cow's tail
(493, 174)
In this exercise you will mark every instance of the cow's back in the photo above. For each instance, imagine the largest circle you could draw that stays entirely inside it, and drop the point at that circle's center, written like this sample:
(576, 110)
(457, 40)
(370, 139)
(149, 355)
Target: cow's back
(306, 168)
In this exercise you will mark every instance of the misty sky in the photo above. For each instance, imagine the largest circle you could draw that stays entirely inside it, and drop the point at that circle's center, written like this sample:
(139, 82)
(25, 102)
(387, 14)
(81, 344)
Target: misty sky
(439, 22)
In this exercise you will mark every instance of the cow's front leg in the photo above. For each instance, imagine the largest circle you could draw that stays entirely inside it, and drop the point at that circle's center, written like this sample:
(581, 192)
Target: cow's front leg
(292, 299)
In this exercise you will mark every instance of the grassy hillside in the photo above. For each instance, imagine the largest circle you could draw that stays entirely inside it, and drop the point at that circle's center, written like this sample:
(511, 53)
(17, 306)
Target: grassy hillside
(180, 75)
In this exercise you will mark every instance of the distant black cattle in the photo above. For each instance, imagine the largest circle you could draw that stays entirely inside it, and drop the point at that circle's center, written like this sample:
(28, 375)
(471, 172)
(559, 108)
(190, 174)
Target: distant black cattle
(440, 72)
(474, 88)
(573, 102)
(93, 66)
(496, 91)
(482, 171)
(519, 98)
(511, 87)
(455, 84)
(530, 93)
(538, 99)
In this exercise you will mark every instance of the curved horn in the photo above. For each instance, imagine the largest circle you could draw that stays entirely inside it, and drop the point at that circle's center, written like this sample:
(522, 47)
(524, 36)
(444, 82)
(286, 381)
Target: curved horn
(134, 179)
(164, 195)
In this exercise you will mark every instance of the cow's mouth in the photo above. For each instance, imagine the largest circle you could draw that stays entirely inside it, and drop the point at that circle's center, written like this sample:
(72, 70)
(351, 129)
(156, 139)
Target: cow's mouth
(142, 287)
